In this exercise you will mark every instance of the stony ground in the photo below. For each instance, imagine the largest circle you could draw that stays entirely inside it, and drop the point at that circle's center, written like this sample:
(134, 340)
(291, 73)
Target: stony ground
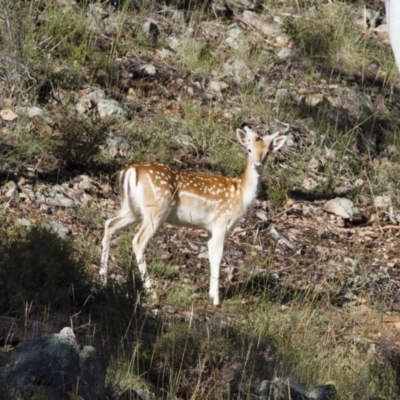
(300, 248)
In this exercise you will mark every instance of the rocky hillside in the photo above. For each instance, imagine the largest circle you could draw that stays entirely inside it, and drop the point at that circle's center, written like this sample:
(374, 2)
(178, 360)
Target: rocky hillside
(310, 278)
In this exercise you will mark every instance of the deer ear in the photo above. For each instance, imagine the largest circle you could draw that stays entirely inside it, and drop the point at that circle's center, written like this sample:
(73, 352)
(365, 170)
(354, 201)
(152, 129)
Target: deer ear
(278, 142)
(242, 137)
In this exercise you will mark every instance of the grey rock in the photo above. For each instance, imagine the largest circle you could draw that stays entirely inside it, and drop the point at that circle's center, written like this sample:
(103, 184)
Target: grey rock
(281, 240)
(85, 183)
(283, 94)
(23, 222)
(5, 358)
(284, 53)
(274, 233)
(151, 30)
(96, 95)
(269, 29)
(369, 18)
(11, 191)
(382, 28)
(383, 202)
(111, 108)
(239, 71)
(215, 89)
(291, 388)
(91, 366)
(45, 208)
(185, 44)
(344, 208)
(174, 43)
(313, 163)
(352, 100)
(59, 201)
(88, 101)
(149, 69)
(84, 105)
(261, 214)
(36, 112)
(100, 21)
(86, 198)
(236, 39)
(59, 228)
(58, 365)
(165, 53)
(343, 190)
(37, 197)
(309, 184)
(217, 86)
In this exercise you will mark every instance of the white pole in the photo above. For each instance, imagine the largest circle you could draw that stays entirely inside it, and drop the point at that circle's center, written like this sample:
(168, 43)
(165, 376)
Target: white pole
(393, 23)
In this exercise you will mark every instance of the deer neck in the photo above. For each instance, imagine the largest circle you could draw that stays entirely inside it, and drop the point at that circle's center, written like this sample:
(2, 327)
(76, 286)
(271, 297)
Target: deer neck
(250, 180)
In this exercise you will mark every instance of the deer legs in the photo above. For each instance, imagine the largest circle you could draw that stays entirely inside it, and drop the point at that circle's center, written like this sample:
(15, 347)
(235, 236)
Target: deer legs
(215, 250)
(123, 219)
(146, 231)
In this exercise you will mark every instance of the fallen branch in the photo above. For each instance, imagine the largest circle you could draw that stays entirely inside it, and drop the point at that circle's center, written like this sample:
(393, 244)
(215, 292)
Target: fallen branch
(391, 227)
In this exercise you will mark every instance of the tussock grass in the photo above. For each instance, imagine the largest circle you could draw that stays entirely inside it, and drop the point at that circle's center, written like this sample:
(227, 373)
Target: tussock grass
(319, 343)
(328, 36)
(181, 297)
(22, 145)
(45, 46)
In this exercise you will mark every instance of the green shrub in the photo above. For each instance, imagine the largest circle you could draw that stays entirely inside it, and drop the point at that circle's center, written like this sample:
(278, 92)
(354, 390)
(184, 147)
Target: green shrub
(312, 41)
(79, 140)
(276, 194)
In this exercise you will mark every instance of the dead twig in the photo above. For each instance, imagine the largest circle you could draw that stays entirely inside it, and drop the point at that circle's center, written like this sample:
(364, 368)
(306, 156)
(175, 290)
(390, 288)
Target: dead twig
(397, 227)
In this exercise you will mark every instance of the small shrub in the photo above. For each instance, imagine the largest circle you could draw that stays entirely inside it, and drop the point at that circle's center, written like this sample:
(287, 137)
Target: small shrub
(80, 140)
(276, 195)
(89, 216)
(312, 41)
(180, 296)
(23, 145)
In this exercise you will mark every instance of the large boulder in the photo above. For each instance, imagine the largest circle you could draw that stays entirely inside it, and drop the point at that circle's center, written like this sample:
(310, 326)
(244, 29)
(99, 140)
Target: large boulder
(57, 365)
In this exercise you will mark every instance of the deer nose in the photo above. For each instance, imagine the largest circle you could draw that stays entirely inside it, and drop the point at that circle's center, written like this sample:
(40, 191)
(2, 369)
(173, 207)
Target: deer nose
(258, 166)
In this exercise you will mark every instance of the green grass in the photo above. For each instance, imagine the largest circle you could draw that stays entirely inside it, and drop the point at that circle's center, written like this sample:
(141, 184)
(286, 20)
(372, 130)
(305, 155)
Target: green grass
(181, 297)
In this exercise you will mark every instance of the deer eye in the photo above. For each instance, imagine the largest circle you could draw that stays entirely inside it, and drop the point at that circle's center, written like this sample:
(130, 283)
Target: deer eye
(249, 150)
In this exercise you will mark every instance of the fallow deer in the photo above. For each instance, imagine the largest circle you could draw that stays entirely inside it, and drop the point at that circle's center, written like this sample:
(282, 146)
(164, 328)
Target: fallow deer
(153, 193)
